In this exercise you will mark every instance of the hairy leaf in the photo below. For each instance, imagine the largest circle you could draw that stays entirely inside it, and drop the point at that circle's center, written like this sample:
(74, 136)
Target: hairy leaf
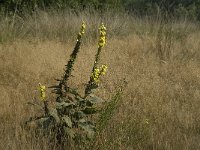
(68, 121)
(87, 127)
(64, 104)
(69, 132)
(53, 112)
(79, 115)
(89, 110)
(93, 99)
(44, 122)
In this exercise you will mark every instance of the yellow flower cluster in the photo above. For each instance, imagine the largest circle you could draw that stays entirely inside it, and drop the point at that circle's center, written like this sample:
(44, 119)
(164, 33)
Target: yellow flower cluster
(102, 38)
(104, 69)
(82, 31)
(96, 75)
(42, 91)
(98, 72)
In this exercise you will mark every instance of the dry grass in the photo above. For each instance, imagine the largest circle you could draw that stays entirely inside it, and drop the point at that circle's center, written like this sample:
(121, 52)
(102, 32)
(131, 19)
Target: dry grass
(160, 106)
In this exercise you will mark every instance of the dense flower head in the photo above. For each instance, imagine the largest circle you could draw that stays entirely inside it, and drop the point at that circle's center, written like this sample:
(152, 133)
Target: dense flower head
(102, 38)
(82, 30)
(98, 72)
(42, 91)
(96, 75)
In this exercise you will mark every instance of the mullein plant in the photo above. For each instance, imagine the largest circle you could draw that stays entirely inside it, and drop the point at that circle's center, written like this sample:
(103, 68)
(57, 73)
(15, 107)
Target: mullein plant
(70, 117)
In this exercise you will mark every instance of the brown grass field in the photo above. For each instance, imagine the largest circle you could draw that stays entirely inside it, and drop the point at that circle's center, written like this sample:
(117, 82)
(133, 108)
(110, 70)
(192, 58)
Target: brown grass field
(160, 108)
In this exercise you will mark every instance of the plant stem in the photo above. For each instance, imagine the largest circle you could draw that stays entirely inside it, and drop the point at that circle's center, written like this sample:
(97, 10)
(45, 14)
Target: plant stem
(46, 110)
(90, 83)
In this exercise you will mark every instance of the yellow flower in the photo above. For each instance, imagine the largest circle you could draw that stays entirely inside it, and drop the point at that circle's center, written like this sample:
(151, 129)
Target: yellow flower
(96, 75)
(104, 69)
(98, 72)
(146, 121)
(42, 91)
(102, 38)
(102, 27)
(82, 30)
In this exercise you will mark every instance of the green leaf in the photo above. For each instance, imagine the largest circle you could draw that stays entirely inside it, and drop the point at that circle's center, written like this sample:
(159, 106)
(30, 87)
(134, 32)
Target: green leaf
(81, 102)
(82, 121)
(89, 110)
(68, 121)
(93, 99)
(88, 127)
(74, 91)
(53, 112)
(80, 99)
(63, 104)
(44, 122)
(79, 115)
(69, 132)
(60, 100)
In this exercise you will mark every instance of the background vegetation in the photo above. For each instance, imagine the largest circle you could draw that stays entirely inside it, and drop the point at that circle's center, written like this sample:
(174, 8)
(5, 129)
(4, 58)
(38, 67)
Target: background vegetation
(179, 8)
(156, 54)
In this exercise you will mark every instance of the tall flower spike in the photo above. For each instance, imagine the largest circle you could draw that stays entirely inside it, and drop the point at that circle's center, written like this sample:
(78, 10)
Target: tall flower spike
(82, 31)
(102, 38)
(97, 72)
(63, 88)
(42, 92)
